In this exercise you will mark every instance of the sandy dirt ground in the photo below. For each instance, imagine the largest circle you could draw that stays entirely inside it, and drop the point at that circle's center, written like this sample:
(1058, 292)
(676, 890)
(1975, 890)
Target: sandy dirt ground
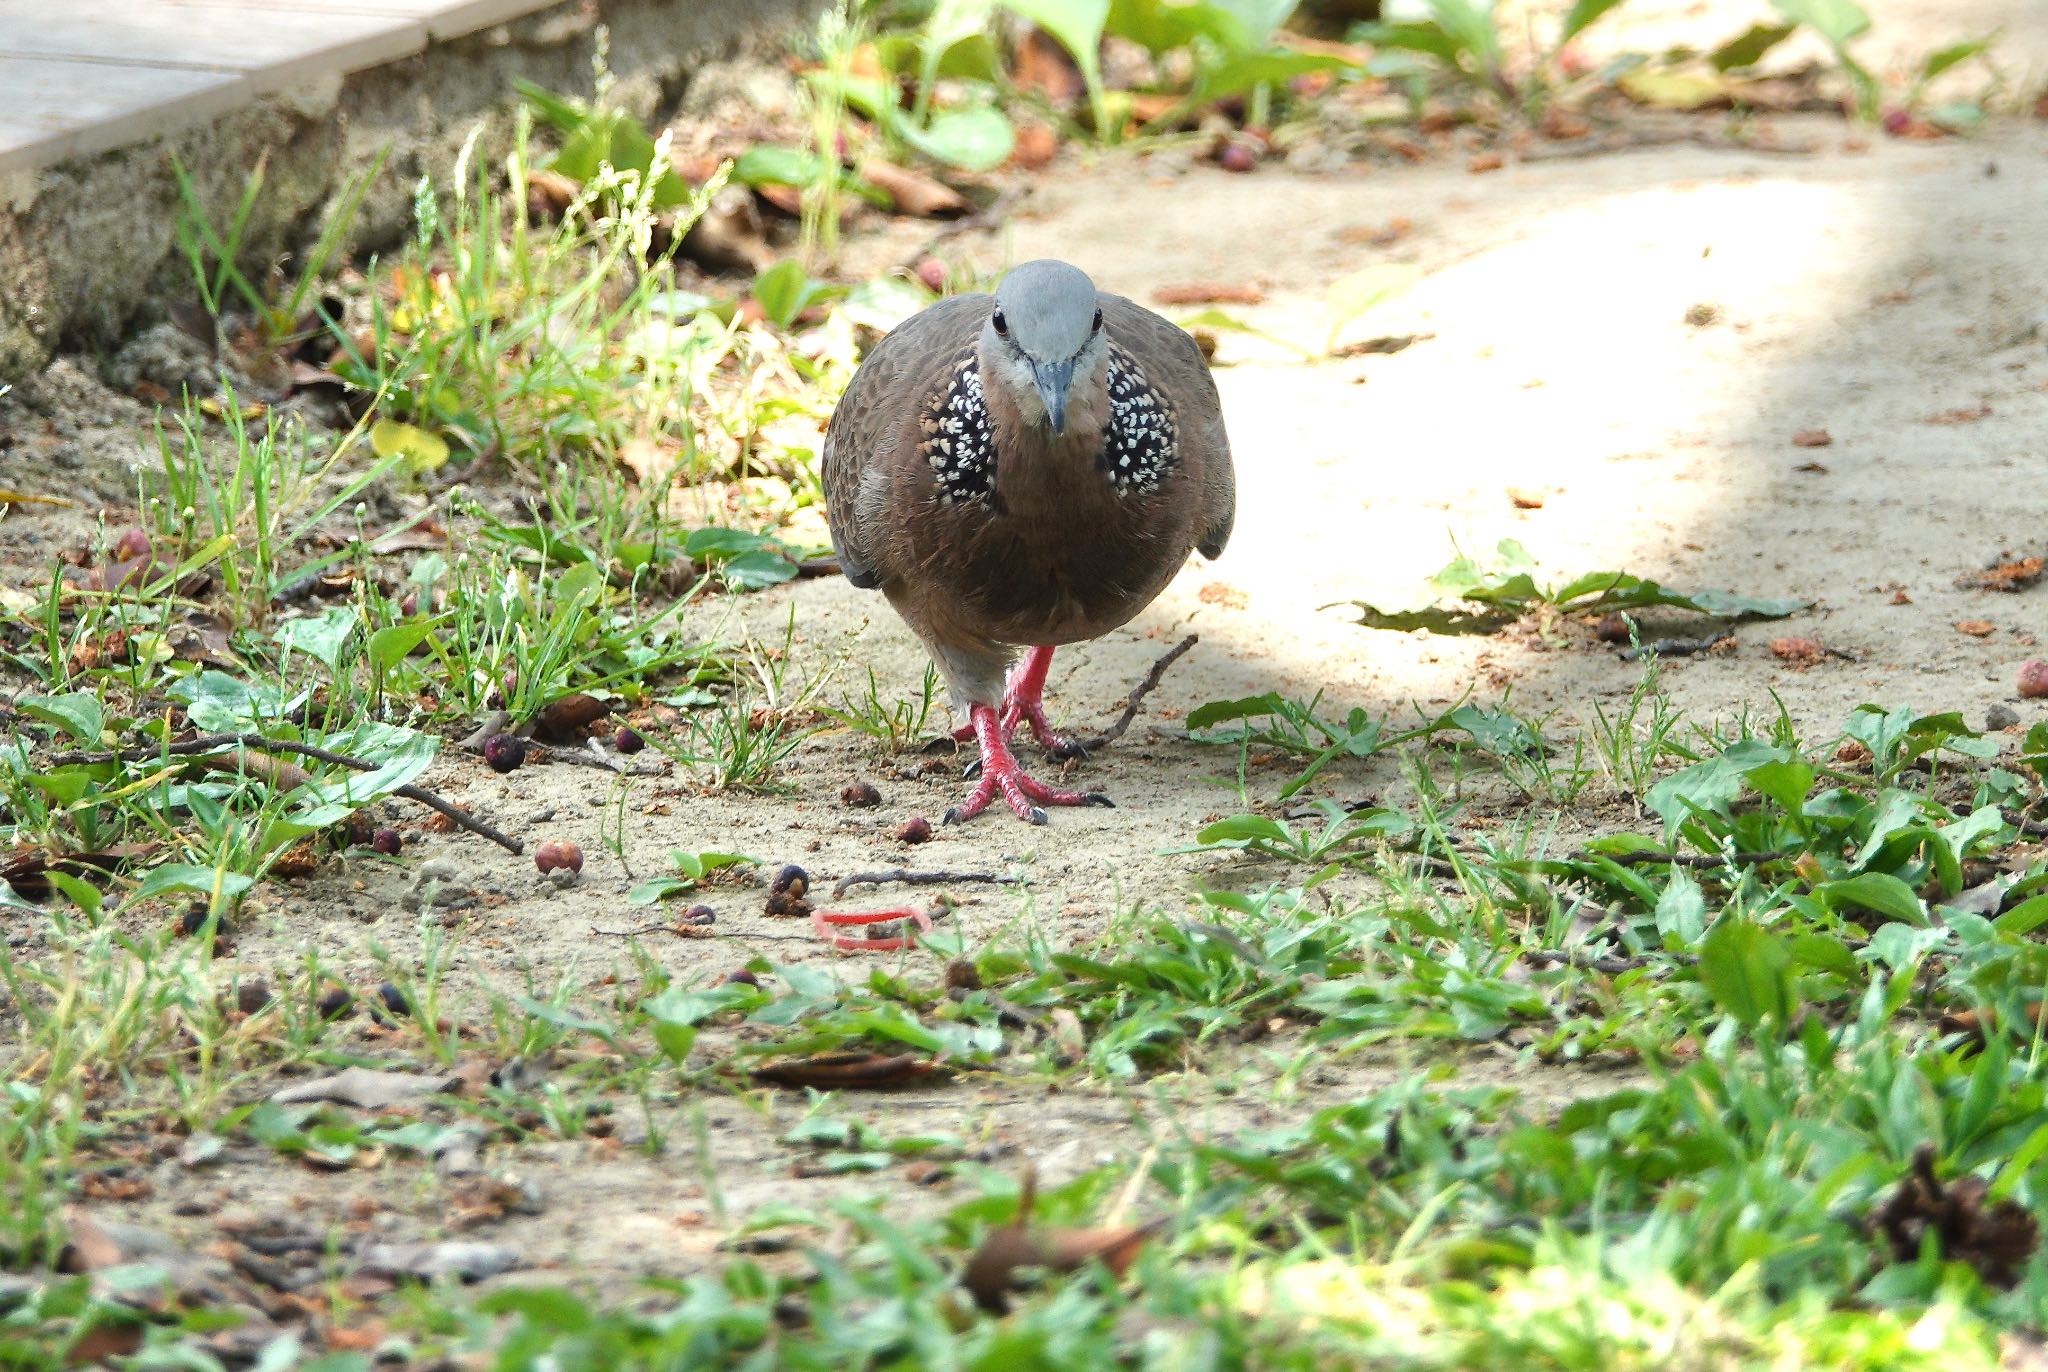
(1894, 294)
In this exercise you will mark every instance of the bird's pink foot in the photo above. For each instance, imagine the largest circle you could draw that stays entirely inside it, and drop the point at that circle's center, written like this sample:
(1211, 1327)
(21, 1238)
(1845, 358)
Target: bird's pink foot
(1000, 773)
(1024, 703)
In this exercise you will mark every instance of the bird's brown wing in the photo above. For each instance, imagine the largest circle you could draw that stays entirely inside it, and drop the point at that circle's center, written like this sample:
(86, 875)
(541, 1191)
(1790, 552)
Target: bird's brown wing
(1178, 369)
(877, 419)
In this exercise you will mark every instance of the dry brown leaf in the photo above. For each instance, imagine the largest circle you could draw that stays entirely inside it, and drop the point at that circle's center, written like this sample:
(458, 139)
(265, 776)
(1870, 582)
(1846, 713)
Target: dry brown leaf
(1014, 1251)
(914, 193)
(1038, 63)
(569, 718)
(1799, 653)
(1036, 145)
(1224, 594)
(848, 1071)
(91, 1248)
(1524, 499)
(2016, 575)
(368, 1088)
(1960, 416)
(1216, 293)
(1995, 1238)
(1976, 628)
(1812, 438)
(1485, 162)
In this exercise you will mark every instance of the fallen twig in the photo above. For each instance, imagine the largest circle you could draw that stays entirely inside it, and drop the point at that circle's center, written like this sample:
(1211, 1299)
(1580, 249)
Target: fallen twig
(1594, 962)
(257, 743)
(1642, 859)
(1145, 688)
(1659, 138)
(904, 876)
(1679, 647)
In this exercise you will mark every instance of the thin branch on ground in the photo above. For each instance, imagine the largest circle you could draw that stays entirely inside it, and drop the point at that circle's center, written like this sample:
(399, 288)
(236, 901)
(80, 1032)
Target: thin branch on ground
(258, 743)
(1145, 688)
(905, 877)
(1679, 647)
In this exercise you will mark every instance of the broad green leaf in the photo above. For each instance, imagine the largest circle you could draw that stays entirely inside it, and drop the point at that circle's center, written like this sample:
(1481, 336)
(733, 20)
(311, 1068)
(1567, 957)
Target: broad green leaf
(1942, 59)
(1785, 782)
(421, 449)
(1712, 785)
(190, 877)
(322, 637)
(752, 571)
(973, 139)
(1681, 911)
(1222, 711)
(768, 165)
(1668, 88)
(2024, 918)
(1747, 970)
(1584, 13)
(393, 643)
(555, 1014)
(1877, 891)
(77, 713)
(1245, 829)
(1748, 48)
(1838, 21)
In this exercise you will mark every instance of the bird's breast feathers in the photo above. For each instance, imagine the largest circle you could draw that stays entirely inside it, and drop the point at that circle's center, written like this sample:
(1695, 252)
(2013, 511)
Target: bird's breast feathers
(957, 437)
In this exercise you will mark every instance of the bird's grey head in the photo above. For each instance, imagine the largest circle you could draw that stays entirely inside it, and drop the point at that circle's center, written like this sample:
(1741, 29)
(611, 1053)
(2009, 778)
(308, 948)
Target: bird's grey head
(1045, 329)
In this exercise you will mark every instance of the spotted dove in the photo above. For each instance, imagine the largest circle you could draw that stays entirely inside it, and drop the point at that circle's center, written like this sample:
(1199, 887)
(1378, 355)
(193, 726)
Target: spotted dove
(1019, 471)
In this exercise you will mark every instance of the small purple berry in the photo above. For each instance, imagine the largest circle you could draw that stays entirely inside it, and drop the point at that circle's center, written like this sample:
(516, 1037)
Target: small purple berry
(627, 741)
(504, 752)
(387, 842)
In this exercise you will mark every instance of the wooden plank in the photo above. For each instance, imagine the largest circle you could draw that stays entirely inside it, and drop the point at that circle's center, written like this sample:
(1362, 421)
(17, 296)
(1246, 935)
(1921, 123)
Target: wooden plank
(87, 107)
(284, 44)
(82, 76)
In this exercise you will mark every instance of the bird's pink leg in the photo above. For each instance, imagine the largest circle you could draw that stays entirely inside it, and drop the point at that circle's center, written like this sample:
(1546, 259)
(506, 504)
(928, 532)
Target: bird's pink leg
(1000, 772)
(1024, 702)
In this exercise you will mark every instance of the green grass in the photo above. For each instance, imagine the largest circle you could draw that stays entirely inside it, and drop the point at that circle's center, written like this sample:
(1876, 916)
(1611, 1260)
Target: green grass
(1723, 1025)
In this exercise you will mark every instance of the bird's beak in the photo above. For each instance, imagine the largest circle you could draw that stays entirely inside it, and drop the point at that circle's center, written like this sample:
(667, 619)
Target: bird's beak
(1052, 379)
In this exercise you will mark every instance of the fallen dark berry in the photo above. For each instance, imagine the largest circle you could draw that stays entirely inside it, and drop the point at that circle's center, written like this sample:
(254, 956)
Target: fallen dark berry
(916, 829)
(931, 274)
(962, 975)
(504, 752)
(387, 842)
(194, 919)
(1236, 157)
(700, 914)
(740, 978)
(859, 795)
(394, 1000)
(252, 996)
(627, 741)
(132, 544)
(792, 880)
(1611, 627)
(558, 854)
(335, 1002)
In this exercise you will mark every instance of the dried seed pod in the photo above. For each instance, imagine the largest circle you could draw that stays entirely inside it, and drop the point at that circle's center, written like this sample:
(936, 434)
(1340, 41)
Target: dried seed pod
(859, 795)
(558, 854)
(916, 829)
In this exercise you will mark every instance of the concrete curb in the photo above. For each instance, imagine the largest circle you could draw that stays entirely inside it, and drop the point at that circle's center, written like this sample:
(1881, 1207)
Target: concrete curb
(88, 248)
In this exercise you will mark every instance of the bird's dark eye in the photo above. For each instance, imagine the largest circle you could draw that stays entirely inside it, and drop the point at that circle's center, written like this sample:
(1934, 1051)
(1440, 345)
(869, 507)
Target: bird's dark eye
(1096, 327)
(1002, 324)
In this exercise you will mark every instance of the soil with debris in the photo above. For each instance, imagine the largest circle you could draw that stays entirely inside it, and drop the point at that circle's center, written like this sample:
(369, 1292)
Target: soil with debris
(1621, 361)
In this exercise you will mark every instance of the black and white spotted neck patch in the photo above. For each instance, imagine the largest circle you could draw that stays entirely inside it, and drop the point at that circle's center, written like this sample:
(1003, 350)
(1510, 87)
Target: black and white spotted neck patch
(959, 442)
(1142, 442)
